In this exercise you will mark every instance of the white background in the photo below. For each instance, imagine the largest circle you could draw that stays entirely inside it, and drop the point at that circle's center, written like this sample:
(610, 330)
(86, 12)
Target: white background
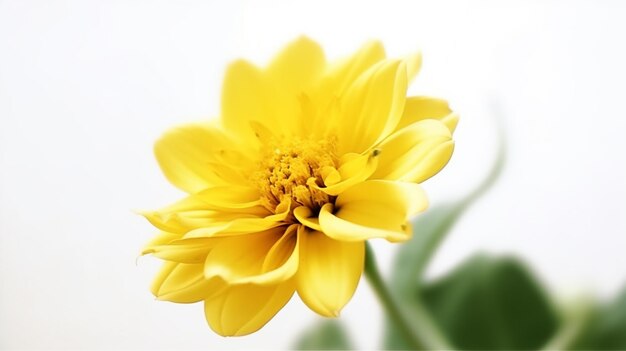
(87, 86)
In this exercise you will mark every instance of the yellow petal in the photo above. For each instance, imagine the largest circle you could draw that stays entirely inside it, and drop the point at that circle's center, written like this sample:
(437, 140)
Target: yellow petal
(413, 65)
(168, 218)
(373, 209)
(372, 106)
(192, 213)
(264, 258)
(232, 197)
(183, 251)
(185, 153)
(161, 239)
(415, 153)
(244, 225)
(321, 106)
(329, 271)
(184, 283)
(343, 72)
(163, 273)
(354, 168)
(249, 95)
(244, 309)
(407, 198)
(304, 215)
(418, 108)
(298, 65)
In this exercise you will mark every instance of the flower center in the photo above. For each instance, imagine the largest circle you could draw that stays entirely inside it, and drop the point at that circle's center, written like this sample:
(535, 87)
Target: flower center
(290, 169)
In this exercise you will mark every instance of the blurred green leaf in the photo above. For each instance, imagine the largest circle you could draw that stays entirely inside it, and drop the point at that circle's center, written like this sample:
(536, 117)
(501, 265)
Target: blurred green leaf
(429, 230)
(607, 328)
(328, 334)
(491, 303)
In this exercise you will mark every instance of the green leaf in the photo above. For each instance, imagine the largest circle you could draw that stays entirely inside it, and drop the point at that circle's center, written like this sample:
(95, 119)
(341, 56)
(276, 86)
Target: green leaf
(491, 303)
(328, 334)
(607, 328)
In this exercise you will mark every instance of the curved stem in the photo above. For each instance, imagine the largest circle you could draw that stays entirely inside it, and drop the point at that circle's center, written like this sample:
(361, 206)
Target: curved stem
(577, 317)
(390, 305)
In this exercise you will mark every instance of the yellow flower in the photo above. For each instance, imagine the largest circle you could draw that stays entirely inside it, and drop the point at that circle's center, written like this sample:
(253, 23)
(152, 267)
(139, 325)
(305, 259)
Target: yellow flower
(308, 160)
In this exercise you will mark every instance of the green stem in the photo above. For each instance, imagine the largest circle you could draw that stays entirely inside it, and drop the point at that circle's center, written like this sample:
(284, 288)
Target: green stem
(417, 327)
(389, 304)
(577, 317)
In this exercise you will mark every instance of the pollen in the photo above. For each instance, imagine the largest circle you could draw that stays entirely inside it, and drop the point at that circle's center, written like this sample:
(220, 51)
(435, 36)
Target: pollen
(291, 169)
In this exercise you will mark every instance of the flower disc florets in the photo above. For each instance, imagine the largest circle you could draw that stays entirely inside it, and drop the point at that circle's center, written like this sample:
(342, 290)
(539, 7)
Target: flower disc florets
(294, 170)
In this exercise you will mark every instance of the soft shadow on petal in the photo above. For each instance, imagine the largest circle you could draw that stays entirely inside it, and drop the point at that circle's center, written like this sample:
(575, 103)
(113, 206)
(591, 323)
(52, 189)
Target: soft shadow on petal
(416, 152)
(373, 209)
(243, 309)
(329, 271)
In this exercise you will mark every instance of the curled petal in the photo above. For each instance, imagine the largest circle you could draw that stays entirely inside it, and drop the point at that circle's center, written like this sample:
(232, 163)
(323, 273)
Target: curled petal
(304, 215)
(354, 168)
(373, 209)
(263, 258)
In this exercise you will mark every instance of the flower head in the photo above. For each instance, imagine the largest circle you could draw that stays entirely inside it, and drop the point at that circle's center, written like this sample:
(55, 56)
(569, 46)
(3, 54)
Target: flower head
(308, 160)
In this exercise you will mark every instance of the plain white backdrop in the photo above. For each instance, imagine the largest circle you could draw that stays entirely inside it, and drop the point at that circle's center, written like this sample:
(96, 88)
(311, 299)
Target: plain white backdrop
(87, 86)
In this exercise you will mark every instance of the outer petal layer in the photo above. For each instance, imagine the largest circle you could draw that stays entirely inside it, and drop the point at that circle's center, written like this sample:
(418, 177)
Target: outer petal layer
(184, 283)
(329, 271)
(244, 309)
